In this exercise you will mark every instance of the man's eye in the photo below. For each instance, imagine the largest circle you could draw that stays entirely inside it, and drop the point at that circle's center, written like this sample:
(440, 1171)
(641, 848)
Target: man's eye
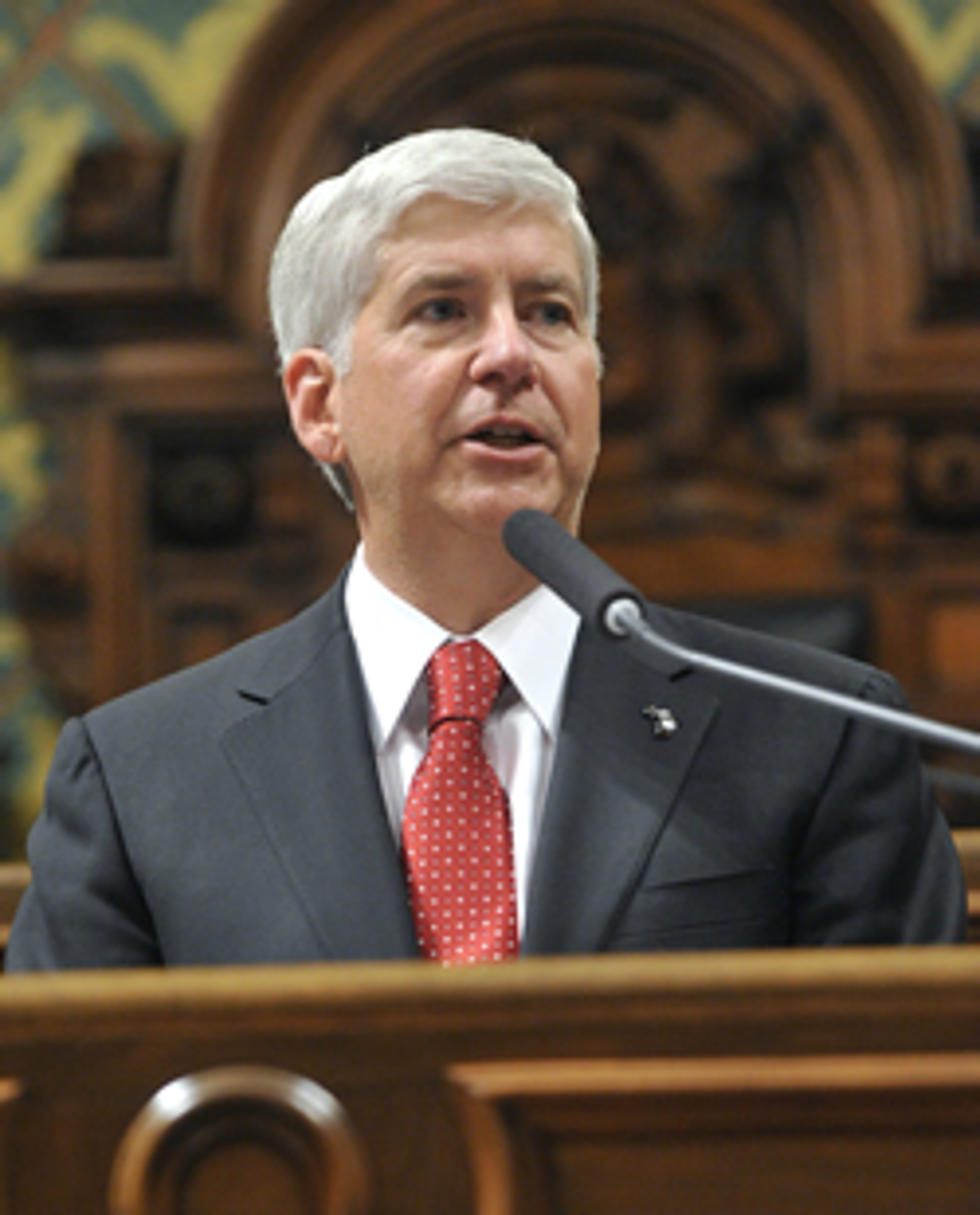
(443, 308)
(554, 313)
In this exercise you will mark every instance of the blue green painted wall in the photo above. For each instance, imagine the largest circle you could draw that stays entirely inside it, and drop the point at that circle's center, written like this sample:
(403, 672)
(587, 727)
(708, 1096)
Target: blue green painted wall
(74, 73)
(77, 73)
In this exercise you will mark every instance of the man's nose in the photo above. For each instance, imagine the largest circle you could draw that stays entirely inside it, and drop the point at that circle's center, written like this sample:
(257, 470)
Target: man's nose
(505, 356)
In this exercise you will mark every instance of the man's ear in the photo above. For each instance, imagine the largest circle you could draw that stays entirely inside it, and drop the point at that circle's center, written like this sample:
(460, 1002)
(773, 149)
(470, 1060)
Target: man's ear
(308, 381)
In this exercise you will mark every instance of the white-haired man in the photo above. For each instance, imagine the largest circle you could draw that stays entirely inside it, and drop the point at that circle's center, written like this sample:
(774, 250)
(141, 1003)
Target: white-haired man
(435, 308)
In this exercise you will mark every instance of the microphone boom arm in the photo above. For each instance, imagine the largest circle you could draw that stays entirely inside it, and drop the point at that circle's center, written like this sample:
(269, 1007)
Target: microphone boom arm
(609, 603)
(623, 617)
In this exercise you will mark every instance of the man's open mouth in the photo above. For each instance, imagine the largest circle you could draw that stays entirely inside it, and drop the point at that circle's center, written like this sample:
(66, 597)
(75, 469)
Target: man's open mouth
(503, 436)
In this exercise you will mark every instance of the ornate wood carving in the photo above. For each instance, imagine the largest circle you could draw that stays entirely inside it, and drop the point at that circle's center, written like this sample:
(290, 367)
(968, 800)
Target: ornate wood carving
(791, 324)
(605, 1136)
(855, 1041)
(239, 1139)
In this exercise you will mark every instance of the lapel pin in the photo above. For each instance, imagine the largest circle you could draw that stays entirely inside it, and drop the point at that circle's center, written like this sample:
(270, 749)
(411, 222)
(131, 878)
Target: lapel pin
(662, 721)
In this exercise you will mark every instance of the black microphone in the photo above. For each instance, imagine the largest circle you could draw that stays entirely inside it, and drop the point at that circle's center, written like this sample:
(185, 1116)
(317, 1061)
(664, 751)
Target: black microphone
(572, 571)
(610, 604)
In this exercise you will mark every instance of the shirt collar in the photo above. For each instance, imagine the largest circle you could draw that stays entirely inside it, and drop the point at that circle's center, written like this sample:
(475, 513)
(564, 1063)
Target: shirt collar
(532, 641)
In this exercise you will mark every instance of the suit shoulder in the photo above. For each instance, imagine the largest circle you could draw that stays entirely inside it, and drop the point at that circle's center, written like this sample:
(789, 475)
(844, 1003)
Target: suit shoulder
(784, 655)
(256, 667)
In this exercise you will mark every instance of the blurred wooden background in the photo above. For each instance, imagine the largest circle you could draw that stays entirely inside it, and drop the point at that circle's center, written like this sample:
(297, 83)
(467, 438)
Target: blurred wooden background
(786, 196)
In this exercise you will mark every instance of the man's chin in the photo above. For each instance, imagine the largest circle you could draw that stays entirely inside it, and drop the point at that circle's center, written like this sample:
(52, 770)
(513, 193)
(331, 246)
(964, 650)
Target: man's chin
(487, 514)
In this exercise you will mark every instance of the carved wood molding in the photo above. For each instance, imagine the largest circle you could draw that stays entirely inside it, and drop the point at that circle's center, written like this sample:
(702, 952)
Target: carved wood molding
(246, 1137)
(562, 1135)
(784, 209)
(817, 97)
(791, 324)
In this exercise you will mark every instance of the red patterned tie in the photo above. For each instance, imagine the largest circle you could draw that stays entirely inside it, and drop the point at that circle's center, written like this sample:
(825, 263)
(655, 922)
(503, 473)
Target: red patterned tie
(456, 827)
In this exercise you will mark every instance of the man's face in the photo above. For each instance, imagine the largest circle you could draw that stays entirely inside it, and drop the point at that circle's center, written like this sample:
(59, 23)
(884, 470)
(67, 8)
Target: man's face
(473, 381)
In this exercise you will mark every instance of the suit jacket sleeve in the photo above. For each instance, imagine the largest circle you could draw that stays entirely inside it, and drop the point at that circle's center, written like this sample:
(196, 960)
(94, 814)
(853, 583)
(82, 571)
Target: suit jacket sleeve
(83, 906)
(876, 863)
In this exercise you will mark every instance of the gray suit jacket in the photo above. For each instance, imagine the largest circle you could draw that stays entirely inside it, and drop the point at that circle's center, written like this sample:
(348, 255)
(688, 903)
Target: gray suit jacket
(231, 813)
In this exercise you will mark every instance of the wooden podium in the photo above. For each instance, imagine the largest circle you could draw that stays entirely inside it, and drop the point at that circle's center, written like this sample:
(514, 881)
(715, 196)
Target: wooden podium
(811, 1081)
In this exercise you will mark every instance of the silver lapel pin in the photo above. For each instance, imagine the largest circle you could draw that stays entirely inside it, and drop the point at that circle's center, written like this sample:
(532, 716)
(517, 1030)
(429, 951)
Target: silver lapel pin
(662, 721)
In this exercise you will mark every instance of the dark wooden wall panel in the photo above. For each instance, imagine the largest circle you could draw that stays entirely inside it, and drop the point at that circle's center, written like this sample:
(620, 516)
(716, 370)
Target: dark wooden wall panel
(791, 326)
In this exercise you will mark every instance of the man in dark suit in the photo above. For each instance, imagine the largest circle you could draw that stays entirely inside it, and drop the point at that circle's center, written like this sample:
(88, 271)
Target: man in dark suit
(435, 309)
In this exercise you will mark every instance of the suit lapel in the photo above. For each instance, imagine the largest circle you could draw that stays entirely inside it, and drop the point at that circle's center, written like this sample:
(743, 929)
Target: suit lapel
(614, 785)
(305, 759)
(303, 754)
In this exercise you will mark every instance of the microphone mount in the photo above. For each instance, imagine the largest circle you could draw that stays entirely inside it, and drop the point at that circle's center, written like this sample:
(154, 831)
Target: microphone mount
(616, 609)
(622, 618)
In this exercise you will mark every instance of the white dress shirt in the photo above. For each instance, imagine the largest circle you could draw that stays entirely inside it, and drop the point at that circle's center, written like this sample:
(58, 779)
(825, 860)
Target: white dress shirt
(533, 643)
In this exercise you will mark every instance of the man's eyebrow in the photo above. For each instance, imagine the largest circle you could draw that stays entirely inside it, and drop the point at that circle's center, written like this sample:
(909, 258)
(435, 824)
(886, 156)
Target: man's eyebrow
(438, 280)
(554, 284)
(557, 282)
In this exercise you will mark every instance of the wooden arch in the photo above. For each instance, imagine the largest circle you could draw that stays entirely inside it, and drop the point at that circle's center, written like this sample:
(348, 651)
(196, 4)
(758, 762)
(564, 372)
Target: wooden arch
(791, 325)
(238, 1139)
(821, 94)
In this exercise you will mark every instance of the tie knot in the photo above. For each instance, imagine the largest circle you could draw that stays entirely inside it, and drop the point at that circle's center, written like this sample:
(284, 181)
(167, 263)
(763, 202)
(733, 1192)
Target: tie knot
(464, 679)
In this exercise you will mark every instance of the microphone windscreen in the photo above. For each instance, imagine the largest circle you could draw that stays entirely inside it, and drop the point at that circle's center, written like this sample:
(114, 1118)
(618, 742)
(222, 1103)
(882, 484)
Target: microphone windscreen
(562, 562)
